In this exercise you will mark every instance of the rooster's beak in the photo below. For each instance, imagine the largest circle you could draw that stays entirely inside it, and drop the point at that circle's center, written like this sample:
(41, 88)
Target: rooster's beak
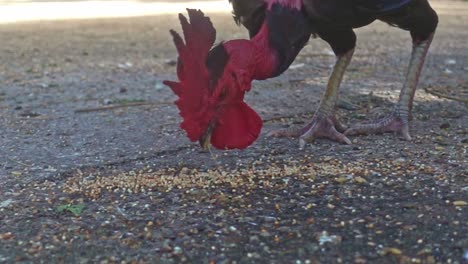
(206, 137)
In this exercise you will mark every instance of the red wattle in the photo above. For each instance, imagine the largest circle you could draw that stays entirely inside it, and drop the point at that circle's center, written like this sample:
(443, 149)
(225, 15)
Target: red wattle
(237, 128)
(238, 125)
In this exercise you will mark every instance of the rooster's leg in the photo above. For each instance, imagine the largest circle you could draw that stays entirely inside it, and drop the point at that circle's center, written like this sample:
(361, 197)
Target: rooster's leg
(397, 121)
(324, 124)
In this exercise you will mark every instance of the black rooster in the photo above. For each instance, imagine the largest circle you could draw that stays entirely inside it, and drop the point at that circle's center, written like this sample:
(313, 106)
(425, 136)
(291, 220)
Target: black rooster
(211, 90)
(333, 21)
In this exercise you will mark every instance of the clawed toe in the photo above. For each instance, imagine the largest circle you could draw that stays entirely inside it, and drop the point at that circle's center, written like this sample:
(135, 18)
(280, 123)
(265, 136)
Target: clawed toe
(289, 132)
(391, 124)
(328, 128)
(331, 134)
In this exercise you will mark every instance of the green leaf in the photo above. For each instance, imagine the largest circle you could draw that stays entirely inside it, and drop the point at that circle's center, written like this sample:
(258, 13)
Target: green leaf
(74, 209)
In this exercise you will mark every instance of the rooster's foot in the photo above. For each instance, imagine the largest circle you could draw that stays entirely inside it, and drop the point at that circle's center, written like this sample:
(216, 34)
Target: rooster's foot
(392, 123)
(320, 127)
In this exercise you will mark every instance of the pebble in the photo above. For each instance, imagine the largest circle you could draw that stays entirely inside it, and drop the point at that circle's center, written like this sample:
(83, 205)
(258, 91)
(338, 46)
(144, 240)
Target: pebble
(450, 61)
(6, 203)
(177, 250)
(159, 86)
(445, 126)
(253, 255)
(460, 203)
(171, 62)
(326, 238)
(253, 239)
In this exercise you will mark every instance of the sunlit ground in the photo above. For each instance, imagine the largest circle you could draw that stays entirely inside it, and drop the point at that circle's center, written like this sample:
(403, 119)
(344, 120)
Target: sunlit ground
(34, 11)
(23, 11)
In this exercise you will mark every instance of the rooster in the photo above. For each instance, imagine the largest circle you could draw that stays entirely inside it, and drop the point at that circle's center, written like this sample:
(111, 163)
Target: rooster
(213, 80)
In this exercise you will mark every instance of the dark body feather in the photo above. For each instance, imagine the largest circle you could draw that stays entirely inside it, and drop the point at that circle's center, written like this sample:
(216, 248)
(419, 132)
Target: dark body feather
(334, 20)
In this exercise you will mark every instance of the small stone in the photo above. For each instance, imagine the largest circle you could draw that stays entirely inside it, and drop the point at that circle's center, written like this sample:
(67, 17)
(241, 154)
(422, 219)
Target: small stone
(177, 250)
(28, 113)
(448, 71)
(6, 203)
(444, 126)
(450, 61)
(254, 239)
(439, 148)
(16, 173)
(296, 66)
(269, 219)
(460, 203)
(171, 62)
(166, 247)
(159, 86)
(360, 180)
(324, 237)
(6, 236)
(391, 251)
(341, 180)
(253, 255)
(125, 65)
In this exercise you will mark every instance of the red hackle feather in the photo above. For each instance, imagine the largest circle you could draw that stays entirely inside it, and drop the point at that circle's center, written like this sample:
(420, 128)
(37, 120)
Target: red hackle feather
(203, 102)
(192, 72)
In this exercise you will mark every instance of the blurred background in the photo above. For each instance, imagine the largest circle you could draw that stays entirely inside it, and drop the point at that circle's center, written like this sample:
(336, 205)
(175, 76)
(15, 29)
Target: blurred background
(21, 10)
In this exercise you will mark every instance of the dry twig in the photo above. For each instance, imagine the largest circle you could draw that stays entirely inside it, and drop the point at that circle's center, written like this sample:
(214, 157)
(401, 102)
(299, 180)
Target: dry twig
(112, 107)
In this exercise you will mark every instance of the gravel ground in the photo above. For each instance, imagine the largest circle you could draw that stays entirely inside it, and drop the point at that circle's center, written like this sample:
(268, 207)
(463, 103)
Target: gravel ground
(94, 167)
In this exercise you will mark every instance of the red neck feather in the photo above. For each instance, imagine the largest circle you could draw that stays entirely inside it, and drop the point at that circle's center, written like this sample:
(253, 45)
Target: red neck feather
(254, 56)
